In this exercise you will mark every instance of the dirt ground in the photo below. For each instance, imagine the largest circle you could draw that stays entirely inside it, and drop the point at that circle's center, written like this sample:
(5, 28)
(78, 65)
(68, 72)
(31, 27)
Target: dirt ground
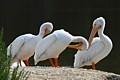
(68, 73)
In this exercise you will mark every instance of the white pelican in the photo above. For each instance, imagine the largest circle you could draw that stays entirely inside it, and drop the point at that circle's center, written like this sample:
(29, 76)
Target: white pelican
(15, 64)
(52, 45)
(98, 49)
(23, 46)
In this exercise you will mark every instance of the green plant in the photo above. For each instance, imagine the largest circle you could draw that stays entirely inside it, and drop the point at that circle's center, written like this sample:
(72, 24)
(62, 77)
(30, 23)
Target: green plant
(6, 73)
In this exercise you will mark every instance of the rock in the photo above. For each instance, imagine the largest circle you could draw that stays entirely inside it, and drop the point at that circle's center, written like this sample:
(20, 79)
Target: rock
(68, 73)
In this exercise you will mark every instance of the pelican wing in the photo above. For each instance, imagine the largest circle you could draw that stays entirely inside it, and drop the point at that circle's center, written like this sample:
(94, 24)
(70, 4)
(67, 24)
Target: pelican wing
(85, 57)
(15, 46)
(43, 45)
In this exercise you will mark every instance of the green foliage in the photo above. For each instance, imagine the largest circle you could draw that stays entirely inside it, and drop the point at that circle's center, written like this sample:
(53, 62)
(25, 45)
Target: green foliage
(6, 73)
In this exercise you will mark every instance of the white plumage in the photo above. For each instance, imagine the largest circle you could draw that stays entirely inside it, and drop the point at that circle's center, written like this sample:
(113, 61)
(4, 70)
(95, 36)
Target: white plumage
(98, 49)
(15, 64)
(52, 45)
(23, 46)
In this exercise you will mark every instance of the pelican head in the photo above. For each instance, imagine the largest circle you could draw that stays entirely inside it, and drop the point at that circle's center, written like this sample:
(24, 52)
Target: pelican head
(46, 28)
(83, 44)
(98, 25)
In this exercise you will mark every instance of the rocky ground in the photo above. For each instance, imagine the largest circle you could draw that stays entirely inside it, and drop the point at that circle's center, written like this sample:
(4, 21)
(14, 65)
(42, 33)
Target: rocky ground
(68, 73)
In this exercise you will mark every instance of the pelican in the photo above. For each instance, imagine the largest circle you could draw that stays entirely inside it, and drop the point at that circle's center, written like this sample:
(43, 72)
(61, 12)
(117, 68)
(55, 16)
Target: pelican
(15, 64)
(99, 47)
(52, 45)
(23, 46)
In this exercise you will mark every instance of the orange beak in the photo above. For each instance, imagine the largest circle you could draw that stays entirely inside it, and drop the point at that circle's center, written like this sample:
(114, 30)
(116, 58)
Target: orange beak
(93, 32)
(75, 46)
(46, 32)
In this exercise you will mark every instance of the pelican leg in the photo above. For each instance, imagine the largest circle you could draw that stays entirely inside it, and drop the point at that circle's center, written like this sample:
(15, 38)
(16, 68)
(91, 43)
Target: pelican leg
(27, 62)
(51, 62)
(56, 62)
(93, 66)
(20, 63)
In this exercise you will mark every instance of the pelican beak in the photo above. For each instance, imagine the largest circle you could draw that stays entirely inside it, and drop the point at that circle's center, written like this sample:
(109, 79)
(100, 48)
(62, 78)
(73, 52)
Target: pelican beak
(79, 49)
(76, 46)
(46, 32)
(93, 32)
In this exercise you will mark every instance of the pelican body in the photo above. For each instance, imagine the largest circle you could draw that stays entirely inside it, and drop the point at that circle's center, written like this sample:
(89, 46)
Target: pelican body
(23, 46)
(99, 47)
(52, 45)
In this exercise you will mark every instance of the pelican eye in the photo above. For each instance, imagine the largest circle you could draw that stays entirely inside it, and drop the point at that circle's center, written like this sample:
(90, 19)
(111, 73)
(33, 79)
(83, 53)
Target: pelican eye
(94, 24)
